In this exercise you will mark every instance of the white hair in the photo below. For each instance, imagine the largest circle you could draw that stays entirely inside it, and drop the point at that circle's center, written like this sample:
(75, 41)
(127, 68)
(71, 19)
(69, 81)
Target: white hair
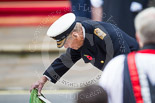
(78, 27)
(145, 25)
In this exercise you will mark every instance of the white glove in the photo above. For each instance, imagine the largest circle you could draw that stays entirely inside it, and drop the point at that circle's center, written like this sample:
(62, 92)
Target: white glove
(136, 7)
(96, 3)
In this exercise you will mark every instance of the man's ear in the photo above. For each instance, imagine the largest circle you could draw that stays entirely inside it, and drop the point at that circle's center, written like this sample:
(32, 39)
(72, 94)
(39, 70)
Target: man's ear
(75, 35)
(137, 37)
(138, 40)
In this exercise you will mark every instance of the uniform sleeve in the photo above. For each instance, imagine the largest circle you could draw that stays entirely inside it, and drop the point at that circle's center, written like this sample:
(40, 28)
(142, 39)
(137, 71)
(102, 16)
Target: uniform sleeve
(62, 64)
(131, 42)
(126, 43)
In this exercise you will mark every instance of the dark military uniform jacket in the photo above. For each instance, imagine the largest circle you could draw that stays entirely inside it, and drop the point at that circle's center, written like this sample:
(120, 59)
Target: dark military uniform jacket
(103, 41)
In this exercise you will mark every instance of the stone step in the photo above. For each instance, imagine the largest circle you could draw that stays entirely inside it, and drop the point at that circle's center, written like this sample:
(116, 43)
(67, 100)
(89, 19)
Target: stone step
(26, 39)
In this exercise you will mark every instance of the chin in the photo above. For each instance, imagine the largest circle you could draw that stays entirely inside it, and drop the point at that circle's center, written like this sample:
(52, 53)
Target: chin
(75, 48)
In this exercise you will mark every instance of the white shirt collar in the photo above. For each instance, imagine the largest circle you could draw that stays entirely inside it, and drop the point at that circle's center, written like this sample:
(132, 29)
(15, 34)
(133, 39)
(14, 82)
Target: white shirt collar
(83, 29)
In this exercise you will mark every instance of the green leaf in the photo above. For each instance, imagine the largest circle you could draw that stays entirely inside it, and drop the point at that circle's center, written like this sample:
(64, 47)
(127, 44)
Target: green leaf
(34, 97)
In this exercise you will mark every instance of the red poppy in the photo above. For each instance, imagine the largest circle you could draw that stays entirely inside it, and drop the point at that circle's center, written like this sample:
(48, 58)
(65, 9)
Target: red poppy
(89, 57)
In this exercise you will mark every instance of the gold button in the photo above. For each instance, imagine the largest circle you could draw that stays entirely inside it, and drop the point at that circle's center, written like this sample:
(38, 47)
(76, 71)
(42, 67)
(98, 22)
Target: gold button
(102, 61)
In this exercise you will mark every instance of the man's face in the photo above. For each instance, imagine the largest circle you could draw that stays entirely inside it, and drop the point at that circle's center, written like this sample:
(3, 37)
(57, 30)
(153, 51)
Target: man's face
(74, 41)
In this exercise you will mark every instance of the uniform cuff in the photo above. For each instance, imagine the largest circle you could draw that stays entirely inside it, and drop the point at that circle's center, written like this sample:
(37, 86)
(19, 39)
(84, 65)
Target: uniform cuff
(47, 75)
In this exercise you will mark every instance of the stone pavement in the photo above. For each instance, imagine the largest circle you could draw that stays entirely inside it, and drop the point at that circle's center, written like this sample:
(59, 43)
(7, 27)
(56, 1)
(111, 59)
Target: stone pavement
(23, 96)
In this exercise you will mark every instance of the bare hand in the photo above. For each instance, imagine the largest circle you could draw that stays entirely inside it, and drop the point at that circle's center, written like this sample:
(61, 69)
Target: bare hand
(39, 84)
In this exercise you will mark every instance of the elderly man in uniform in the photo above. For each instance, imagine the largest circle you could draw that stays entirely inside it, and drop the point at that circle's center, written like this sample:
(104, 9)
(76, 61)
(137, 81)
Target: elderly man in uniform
(94, 42)
(131, 78)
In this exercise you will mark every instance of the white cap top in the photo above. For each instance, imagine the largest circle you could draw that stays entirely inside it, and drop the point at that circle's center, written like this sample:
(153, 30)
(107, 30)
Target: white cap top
(61, 25)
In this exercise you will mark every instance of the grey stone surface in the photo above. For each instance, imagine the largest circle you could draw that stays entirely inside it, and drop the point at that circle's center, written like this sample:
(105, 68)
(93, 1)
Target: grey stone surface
(24, 96)
(26, 39)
